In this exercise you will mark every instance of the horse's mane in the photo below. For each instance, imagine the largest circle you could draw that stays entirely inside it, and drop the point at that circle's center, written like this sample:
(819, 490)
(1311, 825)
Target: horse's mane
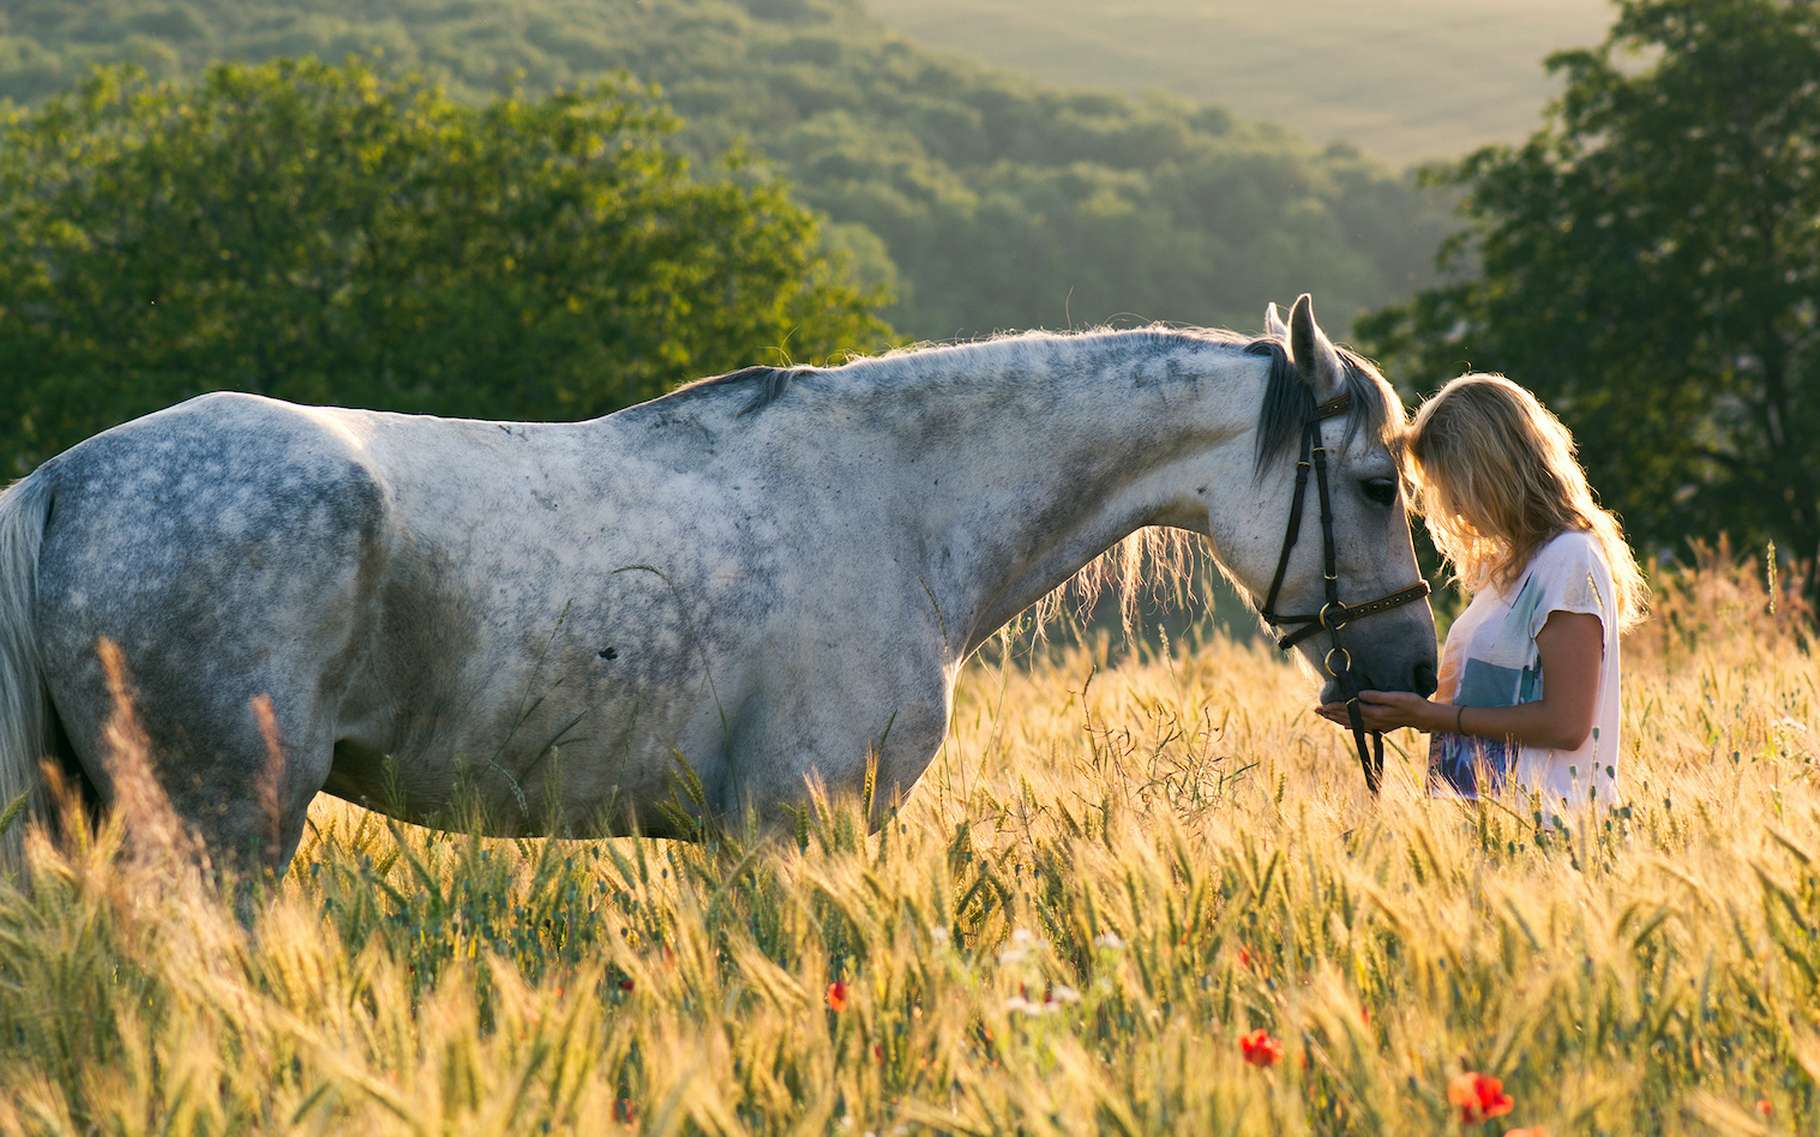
(767, 385)
(1159, 560)
(1285, 405)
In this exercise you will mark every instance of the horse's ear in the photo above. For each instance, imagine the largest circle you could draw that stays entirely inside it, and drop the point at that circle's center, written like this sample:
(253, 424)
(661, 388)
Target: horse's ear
(1274, 327)
(1315, 358)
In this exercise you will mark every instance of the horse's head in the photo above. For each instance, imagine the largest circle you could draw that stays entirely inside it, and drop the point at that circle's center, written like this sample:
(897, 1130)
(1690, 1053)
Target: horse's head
(1358, 422)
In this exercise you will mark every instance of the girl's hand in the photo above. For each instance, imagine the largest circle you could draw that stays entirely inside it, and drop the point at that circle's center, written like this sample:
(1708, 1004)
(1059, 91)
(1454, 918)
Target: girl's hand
(1388, 710)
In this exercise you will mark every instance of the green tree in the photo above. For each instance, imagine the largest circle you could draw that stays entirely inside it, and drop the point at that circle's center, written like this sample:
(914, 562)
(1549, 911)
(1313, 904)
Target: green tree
(323, 234)
(1649, 263)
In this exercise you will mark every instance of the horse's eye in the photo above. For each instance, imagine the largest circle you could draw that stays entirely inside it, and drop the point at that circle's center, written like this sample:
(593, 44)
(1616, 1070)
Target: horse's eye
(1383, 491)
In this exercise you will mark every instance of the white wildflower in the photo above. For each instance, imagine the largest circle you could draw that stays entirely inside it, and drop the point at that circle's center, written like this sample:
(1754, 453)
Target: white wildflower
(1018, 1005)
(1022, 944)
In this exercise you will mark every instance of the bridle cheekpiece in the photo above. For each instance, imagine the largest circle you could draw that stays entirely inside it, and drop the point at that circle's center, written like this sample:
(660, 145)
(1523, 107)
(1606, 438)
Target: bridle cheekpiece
(1335, 613)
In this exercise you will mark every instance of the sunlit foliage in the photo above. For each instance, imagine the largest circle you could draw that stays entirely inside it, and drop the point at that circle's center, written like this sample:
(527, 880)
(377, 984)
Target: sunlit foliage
(327, 235)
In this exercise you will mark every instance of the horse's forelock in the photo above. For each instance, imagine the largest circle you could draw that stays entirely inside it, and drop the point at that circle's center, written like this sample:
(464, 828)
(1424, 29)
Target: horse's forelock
(1286, 407)
(1376, 410)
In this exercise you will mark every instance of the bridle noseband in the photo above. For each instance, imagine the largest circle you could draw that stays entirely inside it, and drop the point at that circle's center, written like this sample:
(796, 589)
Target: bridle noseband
(1334, 614)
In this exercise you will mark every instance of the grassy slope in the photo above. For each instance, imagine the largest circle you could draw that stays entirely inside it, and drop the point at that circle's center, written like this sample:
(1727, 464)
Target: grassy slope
(1405, 81)
(1097, 888)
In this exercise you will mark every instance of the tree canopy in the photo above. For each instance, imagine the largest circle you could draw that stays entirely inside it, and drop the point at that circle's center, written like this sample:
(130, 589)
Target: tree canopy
(982, 201)
(1649, 263)
(325, 234)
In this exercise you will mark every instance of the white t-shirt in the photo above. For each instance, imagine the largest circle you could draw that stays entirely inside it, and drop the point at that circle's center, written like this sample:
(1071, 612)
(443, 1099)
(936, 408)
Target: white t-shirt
(1491, 660)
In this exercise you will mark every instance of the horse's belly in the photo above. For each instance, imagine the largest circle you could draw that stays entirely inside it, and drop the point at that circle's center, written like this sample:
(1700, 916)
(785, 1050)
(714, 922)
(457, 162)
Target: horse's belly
(553, 716)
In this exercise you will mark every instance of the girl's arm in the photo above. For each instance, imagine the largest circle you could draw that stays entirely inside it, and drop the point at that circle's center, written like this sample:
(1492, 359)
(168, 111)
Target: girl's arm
(1571, 645)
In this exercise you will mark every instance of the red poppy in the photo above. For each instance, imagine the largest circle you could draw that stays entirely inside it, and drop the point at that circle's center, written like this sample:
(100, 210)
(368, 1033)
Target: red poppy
(1764, 1107)
(626, 984)
(1245, 960)
(1478, 1097)
(837, 996)
(1260, 1049)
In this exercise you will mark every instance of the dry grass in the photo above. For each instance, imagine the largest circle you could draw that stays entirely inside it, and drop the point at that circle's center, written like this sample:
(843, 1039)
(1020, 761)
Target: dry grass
(1106, 879)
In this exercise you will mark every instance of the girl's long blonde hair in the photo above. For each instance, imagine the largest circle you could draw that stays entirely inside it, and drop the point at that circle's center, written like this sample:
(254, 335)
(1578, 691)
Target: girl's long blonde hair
(1496, 477)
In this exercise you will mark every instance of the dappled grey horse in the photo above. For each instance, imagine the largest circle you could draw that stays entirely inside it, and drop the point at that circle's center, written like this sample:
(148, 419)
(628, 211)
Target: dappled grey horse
(769, 576)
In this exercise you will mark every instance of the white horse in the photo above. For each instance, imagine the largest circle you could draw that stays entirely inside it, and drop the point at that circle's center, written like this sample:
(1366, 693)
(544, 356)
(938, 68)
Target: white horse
(772, 575)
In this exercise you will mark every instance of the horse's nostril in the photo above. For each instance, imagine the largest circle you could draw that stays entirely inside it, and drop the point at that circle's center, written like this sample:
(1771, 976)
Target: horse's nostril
(1425, 681)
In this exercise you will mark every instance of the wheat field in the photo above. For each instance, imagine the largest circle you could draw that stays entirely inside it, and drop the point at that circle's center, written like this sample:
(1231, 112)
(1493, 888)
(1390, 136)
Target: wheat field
(1112, 875)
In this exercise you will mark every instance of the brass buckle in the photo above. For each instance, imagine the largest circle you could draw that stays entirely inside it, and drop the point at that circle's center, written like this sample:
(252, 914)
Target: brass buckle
(1327, 662)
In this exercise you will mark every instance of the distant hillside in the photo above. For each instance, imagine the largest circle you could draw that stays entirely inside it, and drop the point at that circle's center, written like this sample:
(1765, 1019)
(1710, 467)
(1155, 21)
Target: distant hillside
(1403, 80)
(987, 201)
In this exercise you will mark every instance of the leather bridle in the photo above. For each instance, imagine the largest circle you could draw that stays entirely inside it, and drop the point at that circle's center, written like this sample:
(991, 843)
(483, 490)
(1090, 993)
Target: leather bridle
(1334, 614)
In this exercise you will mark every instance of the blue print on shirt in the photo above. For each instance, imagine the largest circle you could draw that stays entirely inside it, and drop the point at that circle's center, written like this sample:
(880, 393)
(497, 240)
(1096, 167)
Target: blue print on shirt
(1456, 758)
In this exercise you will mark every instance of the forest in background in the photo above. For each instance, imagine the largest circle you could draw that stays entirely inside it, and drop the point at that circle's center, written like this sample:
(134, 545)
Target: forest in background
(980, 201)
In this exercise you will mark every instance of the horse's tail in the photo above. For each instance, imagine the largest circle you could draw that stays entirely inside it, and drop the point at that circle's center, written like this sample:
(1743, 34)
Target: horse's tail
(25, 712)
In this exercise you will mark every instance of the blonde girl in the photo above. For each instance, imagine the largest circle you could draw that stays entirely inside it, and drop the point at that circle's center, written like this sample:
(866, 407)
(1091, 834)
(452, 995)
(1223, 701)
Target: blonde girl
(1529, 678)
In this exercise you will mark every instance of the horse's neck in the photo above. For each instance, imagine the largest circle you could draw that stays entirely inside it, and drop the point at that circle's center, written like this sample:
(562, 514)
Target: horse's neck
(1058, 449)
